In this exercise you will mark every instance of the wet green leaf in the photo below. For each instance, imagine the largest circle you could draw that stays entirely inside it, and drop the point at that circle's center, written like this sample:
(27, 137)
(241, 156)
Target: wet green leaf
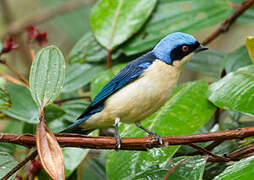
(5, 101)
(242, 169)
(181, 168)
(23, 107)
(78, 75)
(237, 59)
(209, 62)
(114, 21)
(47, 75)
(173, 15)
(235, 91)
(6, 164)
(188, 105)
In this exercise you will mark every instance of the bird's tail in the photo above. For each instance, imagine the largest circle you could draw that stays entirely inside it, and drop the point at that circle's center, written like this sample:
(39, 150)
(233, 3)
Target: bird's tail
(75, 128)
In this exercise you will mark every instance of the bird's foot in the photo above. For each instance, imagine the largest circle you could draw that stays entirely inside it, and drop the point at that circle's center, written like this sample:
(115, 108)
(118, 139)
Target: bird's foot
(118, 141)
(117, 136)
(157, 137)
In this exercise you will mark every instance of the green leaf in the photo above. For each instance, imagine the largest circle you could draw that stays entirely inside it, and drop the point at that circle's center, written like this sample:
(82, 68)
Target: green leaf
(208, 62)
(113, 22)
(188, 105)
(173, 15)
(87, 49)
(72, 158)
(73, 109)
(242, 169)
(6, 164)
(23, 107)
(5, 101)
(182, 168)
(47, 75)
(53, 112)
(237, 59)
(235, 91)
(78, 75)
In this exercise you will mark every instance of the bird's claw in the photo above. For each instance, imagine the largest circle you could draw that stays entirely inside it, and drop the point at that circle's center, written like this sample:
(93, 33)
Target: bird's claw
(157, 137)
(118, 142)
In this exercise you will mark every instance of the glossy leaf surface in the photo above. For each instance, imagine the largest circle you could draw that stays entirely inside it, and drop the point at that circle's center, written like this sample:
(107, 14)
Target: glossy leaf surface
(174, 15)
(114, 21)
(235, 91)
(242, 169)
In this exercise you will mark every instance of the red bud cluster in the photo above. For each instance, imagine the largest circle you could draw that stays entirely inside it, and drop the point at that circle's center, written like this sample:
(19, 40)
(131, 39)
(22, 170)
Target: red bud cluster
(8, 46)
(36, 35)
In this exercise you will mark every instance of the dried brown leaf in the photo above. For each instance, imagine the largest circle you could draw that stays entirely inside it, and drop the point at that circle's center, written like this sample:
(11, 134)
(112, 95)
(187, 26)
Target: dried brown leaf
(49, 152)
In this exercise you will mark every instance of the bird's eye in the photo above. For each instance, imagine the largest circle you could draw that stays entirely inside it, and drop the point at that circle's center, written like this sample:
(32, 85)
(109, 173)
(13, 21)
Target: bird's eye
(185, 48)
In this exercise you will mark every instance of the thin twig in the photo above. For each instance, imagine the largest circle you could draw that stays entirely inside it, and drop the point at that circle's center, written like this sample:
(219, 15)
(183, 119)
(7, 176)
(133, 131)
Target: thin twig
(12, 69)
(12, 79)
(204, 151)
(43, 15)
(61, 101)
(228, 22)
(109, 58)
(31, 156)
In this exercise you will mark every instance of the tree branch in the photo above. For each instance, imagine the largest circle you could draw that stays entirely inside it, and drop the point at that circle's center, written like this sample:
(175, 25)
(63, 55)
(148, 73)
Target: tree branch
(141, 143)
(19, 26)
(228, 22)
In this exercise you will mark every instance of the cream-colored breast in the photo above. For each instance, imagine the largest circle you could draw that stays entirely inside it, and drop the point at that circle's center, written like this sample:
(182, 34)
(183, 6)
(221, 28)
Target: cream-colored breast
(139, 99)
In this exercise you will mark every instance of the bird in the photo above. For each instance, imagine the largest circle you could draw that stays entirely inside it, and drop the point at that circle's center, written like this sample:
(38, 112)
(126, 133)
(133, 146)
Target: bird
(140, 88)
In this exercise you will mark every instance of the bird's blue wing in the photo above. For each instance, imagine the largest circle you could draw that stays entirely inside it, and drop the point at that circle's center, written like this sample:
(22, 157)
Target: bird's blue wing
(127, 75)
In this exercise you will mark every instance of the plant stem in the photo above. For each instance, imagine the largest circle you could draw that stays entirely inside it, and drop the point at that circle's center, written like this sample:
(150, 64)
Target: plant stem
(228, 22)
(109, 58)
(61, 101)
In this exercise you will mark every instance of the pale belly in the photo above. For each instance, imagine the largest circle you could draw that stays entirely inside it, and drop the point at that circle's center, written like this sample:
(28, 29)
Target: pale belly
(139, 99)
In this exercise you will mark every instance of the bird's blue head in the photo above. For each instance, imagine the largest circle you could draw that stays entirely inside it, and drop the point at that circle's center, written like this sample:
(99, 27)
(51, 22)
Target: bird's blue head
(176, 46)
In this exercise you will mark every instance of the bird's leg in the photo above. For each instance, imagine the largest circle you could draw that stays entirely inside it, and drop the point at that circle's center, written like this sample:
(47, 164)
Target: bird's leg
(158, 138)
(117, 136)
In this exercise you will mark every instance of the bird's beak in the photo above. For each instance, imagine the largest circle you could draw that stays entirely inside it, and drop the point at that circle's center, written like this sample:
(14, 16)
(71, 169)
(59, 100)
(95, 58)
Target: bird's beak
(201, 48)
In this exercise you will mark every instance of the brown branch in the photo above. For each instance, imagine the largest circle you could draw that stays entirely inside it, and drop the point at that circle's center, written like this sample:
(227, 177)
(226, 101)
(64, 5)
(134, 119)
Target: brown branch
(228, 22)
(43, 15)
(31, 156)
(141, 143)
